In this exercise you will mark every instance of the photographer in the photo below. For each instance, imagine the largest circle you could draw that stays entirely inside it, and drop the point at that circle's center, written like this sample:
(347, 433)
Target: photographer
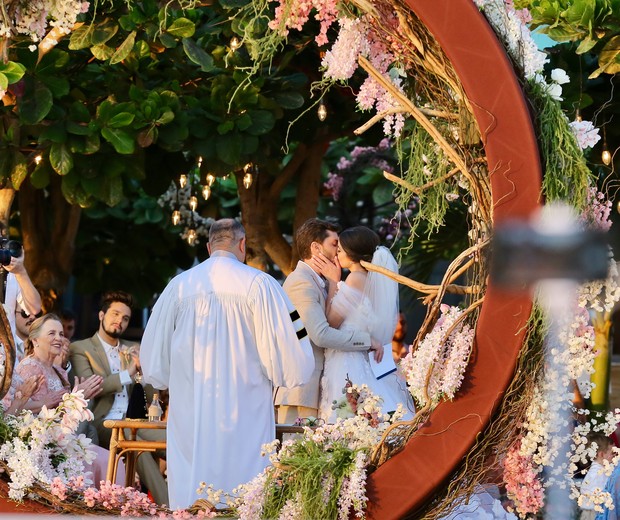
(20, 295)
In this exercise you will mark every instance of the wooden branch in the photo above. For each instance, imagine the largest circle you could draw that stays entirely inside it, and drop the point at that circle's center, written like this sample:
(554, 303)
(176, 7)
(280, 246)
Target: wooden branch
(430, 128)
(378, 117)
(300, 155)
(417, 286)
(419, 189)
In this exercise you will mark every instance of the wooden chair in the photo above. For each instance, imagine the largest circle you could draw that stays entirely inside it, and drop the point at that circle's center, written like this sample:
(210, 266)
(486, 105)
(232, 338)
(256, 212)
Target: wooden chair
(131, 447)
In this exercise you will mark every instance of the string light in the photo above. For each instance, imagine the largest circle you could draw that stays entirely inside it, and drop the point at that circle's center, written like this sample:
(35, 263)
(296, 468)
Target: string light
(199, 161)
(234, 43)
(193, 202)
(206, 192)
(183, 180)
(38, 159)
(605, 155)
(247, 180)
(322, 111)
(191, 236)
(176, 217)
(210, 179)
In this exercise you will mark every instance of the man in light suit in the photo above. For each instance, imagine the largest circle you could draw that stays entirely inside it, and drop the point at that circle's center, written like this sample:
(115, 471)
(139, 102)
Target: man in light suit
(117, 361)
(307, 290)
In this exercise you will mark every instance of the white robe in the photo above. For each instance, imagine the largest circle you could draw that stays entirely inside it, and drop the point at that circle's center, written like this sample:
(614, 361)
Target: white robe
(220, 335)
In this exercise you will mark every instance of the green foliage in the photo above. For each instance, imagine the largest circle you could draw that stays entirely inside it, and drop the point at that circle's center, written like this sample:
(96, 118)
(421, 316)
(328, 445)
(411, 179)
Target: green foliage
(595, 24)
(311, 475)
(566, 174)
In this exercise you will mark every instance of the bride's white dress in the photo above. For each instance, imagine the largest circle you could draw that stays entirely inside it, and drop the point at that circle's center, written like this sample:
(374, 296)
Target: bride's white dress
(359, 315)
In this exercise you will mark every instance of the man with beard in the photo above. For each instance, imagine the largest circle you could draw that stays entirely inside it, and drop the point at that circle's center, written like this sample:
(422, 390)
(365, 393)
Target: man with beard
(117, 361)
(308, 290)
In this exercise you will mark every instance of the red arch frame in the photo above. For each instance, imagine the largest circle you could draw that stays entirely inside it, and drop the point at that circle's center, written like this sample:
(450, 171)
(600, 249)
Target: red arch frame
(404, 483)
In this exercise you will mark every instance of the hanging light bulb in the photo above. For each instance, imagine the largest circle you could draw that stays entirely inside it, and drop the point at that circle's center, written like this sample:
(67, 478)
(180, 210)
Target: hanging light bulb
(199, 161)
(578, 117)
(247, 180)
(193, 202)
(618, 207)
(183, 180)
(606, 155)
(234, 43)
(210, 179)
(191, 236)
(38, 159)
(206, 192)
(176, 217)
(322, 111)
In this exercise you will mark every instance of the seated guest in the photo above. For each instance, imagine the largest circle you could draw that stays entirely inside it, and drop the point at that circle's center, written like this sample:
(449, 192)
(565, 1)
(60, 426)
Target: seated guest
(116, 360)
(43, 346)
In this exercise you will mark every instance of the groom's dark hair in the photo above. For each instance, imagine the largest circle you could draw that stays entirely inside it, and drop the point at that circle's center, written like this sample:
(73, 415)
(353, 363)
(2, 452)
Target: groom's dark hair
(312, 230)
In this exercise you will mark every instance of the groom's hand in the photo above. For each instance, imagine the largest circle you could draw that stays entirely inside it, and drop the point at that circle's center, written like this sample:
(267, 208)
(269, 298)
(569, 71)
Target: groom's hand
(377, 350)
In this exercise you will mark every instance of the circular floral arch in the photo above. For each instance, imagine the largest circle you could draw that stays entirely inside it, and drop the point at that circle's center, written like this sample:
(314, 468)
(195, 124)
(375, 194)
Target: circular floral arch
(405, 482)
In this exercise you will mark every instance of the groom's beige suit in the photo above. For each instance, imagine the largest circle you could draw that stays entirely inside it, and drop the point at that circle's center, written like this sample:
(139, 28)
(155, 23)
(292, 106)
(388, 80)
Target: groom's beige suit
(307, 292)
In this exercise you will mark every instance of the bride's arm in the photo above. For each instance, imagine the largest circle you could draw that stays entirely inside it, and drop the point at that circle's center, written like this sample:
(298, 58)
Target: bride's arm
(337, 313)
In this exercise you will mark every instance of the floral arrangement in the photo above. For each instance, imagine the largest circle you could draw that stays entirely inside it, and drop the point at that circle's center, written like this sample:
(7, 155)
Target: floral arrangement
(322, 474)
(44, 448)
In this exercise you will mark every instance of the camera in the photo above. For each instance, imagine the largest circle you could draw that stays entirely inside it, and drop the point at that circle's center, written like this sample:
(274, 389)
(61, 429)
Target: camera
(8, 249)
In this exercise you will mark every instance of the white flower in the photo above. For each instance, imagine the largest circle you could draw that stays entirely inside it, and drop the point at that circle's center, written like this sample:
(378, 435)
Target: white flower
(559, 76)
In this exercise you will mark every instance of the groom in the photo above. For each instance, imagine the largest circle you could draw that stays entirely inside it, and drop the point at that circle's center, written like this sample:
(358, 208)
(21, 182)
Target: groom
(307, 290)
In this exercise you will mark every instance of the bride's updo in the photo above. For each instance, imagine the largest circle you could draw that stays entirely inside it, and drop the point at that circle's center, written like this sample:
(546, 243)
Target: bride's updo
(359, 243)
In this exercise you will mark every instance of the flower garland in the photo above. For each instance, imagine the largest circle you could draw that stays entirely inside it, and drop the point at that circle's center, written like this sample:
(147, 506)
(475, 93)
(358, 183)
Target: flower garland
(435, 370)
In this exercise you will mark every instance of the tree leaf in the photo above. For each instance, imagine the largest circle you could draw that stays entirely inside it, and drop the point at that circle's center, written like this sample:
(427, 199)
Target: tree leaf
(36, 103)
(121, 141)
(229, 148)
(165, 118)
(81, 38)
(585, 45)
(102, 52)
(121, 119)
(103, 32)
(182, 28)
(262, 122)
(40, 177)
(19, 171)
(61, 159)
(198, 55)
(609, 58)
(12, 71)
(124, 49)
(225, 127)
(4, 82)
(289, 100)
(113, 190)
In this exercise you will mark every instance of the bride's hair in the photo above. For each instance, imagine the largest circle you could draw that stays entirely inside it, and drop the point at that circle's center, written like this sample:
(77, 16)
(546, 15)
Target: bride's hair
(359, 243)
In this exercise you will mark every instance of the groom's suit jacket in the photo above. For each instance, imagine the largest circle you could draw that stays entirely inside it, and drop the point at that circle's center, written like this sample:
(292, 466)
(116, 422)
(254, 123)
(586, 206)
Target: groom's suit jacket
(87, 358)
(308, 297)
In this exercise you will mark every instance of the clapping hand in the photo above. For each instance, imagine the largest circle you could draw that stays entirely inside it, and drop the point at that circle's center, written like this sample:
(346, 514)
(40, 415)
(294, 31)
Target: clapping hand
(29, 387)
(330, 269)
(91, 386)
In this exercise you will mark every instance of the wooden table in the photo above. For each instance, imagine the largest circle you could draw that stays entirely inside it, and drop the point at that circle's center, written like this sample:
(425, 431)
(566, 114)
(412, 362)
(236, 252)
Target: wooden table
(131, 447)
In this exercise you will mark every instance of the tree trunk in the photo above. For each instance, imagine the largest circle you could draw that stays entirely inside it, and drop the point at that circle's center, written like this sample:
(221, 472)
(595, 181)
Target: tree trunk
(259, 206)
(49, 227)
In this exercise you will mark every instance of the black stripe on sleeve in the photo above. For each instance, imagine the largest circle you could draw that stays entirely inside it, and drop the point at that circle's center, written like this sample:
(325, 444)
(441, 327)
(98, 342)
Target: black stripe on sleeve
(294, 315)
(301, 334)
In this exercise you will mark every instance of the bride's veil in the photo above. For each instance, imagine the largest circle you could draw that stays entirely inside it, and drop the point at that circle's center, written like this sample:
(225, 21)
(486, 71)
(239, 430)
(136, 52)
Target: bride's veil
(382, 293)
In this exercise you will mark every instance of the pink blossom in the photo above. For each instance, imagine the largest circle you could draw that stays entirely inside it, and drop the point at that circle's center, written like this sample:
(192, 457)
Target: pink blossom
(595, 214)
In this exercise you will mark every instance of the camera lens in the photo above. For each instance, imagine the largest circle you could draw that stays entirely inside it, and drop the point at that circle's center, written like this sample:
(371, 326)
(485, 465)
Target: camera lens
(5, 257)
(14, 248)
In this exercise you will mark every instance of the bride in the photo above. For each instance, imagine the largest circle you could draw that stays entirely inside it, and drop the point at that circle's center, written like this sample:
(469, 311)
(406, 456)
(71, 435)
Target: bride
(367, 301)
